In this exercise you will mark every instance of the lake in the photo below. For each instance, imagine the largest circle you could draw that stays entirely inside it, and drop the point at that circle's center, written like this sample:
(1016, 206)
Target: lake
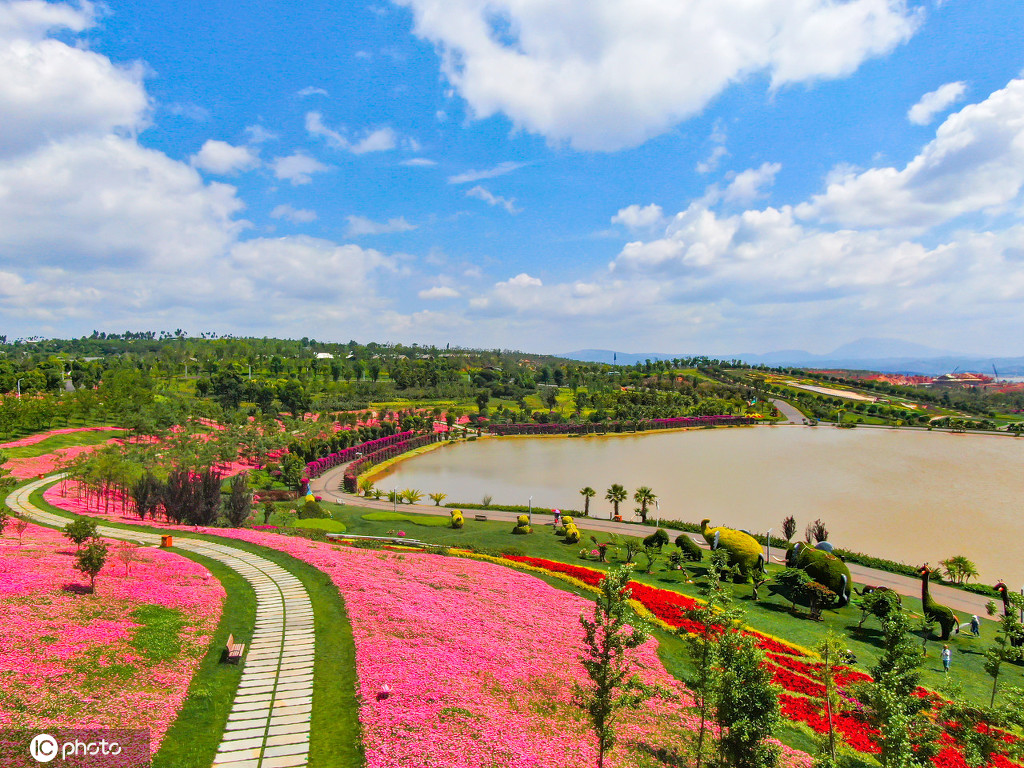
(904, 495)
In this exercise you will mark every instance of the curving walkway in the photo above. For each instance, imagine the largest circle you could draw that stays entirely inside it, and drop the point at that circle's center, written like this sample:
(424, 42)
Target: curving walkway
(268, 726)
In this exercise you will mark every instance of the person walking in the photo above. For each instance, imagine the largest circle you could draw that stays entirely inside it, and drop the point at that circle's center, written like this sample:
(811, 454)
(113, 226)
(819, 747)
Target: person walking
(947, 658)
(975, 626)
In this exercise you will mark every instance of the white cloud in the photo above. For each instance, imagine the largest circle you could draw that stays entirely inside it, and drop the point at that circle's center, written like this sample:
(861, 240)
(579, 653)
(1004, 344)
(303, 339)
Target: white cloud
(310, 90)
(419, 162)
(936, 101)
(378, 140)
(718, 150)
(222, 158)
(360, 225)
(439, 292)
(480, 193)
(258, 134)
(607, 75)
(50, 90)
(748, 185)
(499, 170)
(634, 217)
(294, 215)
(298, 168)
(974, 163)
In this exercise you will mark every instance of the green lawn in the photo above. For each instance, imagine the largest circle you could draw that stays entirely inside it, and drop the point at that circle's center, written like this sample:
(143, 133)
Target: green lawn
(67, 440)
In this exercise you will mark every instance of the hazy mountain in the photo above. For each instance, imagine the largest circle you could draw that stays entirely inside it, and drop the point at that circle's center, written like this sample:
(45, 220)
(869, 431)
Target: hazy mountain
(885, 355)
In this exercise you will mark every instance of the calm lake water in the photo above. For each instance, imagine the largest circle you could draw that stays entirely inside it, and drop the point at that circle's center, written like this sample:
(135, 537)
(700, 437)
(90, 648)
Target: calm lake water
(909, 496)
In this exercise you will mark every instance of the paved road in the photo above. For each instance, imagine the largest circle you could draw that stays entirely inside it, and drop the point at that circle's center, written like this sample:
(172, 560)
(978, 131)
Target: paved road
(792, 414)
(268, 726)
(329, 487)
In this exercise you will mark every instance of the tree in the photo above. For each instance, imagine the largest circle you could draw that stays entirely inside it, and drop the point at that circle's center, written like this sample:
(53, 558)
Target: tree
(239, 501)
(960, 569)
(830, 650)
(616, 495)
(1009, 643)
(80, 531)
(789, 527)
(411, 495)
(20, 526)
(907, 738)
(747, 706)
(146, 493)
(613, 632)
(90, 561)
(588, 493)
(793, 581)
(644, 496)
(437, 498)
(5, 517)
(816, 532)
(126, 553)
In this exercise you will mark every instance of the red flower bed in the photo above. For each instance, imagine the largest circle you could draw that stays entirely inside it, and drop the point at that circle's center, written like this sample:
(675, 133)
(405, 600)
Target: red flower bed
(857, 733)
(586, 575)
(772, 645)
(797, 683)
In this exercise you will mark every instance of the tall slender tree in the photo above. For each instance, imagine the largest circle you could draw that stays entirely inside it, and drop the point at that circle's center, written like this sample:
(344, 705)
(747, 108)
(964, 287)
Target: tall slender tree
(616, 495)
(588, 493)
(644, 496)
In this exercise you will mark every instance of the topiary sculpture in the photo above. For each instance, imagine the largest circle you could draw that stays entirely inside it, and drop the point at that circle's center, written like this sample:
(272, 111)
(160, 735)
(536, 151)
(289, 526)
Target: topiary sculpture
(458, 520)
(823, 567)
(522, 525)
(690, 548)
(940, 614)
(572, 533)
(657, 539)
(743, 549)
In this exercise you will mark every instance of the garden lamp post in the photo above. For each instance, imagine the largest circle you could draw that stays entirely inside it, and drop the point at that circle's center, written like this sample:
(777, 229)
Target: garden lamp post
(767, 548)
(530, 514)
(394, 498)
(19, 387)
(657, 519)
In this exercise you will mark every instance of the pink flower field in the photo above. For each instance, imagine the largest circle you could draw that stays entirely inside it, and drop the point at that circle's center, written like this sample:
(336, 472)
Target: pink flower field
(38, 438)
(480, 661)
(32, 466)
(68, 657)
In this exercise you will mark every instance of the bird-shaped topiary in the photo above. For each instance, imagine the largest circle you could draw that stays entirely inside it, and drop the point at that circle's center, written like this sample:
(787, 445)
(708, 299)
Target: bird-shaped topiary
(457, 520)
(823, 567)
(744, 550)
(940, 614)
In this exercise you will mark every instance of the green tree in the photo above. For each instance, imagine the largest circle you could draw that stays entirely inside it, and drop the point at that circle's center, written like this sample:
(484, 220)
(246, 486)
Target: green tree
(80, 531)
(747, 706)
(907, 738)
(1009, 642)
(830, 650)
(411, 495)
(644, 496)
(239, 502)
(616, 495)
(960, 569)
(90, 561)
(5, 517)
(588, 493)
(437, 498)
(614, 631)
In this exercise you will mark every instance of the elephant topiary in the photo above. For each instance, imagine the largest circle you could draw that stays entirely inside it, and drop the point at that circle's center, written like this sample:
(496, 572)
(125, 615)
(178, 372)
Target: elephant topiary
(744, 550)
(690, 549)
(822, 566)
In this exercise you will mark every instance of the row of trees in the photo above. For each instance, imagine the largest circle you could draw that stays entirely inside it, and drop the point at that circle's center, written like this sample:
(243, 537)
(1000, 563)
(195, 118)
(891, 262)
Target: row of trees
(616, 494)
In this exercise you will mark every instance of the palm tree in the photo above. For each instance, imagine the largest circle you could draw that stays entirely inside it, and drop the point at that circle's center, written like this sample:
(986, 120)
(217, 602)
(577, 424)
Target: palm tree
(437, 498)
(411, 495)
(643, 497)
(366, 486)
(588, 493)
(616, 494)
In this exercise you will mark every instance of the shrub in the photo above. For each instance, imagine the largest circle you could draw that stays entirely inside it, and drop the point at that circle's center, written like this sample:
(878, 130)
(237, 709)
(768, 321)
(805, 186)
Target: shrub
(80, 531)
(457, 520)
(513, 551)
(312, 510)
(572, 533)
(657, 539)
(691, 550)
(522, 525)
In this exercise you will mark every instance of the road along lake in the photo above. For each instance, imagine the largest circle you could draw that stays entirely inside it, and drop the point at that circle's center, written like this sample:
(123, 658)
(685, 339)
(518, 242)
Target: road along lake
(904, 495)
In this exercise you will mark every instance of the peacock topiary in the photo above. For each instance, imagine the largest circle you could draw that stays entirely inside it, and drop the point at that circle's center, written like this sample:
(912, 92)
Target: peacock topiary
(823, 567)
(744, 550)
(458, 520)
(522, 525)
(940, 614)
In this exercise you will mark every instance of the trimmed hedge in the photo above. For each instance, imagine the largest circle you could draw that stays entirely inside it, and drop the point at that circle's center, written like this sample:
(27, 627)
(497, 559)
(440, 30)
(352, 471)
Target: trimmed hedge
(517, 508)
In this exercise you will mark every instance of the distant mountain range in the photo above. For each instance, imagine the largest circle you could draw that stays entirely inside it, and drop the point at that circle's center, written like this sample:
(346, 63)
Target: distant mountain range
(883, 355)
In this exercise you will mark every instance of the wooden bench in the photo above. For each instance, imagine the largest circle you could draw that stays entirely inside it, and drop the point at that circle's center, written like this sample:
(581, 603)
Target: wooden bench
(481, 518)
(235, 650)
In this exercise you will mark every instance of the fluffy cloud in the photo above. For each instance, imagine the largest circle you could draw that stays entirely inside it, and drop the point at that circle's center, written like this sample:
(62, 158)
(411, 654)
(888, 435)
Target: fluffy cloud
(936, 101)
(222, 158)
(49, 90)
(360, 225)
(298, 168)
(294, 215)
(481, 193)
(439, 292)
(609, 75)
(635, 218)
(747, 186)
(974, 163)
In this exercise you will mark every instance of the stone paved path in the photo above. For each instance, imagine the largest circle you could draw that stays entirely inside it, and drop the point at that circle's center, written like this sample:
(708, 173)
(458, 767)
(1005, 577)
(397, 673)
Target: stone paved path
(268, 726)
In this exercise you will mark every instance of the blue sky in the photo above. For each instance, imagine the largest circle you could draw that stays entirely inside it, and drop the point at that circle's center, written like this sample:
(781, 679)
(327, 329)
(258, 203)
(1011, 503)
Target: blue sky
(715, 176)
